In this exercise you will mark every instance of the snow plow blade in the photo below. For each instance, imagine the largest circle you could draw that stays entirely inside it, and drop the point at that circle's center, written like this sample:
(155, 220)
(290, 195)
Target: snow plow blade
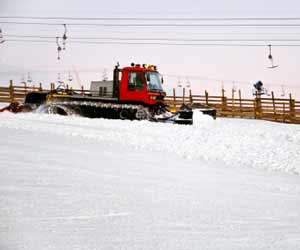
(184, 117)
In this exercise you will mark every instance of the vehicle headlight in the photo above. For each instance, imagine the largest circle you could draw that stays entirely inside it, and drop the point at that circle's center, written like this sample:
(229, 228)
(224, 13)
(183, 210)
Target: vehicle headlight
(152, 97)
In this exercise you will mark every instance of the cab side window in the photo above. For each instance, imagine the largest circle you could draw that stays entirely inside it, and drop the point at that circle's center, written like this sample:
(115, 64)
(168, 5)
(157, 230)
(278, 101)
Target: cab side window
(135, 81)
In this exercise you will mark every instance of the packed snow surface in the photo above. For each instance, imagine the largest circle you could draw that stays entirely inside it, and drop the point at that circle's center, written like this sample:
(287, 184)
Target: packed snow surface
(78, 183)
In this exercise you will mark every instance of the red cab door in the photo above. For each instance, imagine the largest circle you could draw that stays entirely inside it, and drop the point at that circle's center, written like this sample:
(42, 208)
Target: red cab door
(133, 86)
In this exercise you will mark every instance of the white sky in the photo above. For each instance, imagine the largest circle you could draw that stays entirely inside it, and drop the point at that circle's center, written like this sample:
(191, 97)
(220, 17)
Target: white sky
(244, 65)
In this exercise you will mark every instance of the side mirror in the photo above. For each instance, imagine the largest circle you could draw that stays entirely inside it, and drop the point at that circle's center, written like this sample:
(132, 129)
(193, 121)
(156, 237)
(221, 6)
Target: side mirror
(162, 80)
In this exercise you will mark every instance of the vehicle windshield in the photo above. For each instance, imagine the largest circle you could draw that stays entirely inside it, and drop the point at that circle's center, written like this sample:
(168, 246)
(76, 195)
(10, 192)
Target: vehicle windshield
(154, 83)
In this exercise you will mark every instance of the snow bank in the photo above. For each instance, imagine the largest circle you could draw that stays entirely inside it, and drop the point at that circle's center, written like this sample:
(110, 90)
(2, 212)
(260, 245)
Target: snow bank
(3, 104)
(199, 117)
(229, 142)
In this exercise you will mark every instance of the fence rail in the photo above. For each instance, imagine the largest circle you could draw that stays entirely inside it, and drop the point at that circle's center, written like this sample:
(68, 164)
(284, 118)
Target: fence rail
(272, 109)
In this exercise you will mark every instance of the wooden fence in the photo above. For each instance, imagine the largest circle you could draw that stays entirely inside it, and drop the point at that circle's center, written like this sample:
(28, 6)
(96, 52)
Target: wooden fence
(272, 109)
(16, 93)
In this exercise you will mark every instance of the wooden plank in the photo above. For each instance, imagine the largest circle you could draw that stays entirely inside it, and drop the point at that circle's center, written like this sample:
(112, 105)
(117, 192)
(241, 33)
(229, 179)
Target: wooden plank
(19, 95)
(243, 103)
(195, 96)
(4, 99)
(26, 87)
(4, 89)
(276, 99)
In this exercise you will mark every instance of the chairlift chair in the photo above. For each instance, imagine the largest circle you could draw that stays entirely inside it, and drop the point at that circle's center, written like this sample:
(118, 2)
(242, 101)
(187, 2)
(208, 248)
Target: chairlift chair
(188, 83)
(29, 78)
(179, 84)
(270, 57)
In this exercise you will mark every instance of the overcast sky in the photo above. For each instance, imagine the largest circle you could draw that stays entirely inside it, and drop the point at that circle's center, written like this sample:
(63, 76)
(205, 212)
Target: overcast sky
(204, 66)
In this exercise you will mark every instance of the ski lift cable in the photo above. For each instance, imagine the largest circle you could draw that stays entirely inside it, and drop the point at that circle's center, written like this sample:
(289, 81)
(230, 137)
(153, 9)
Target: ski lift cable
(202, 34)
(155, 18)
(64, 37)
(157, 43)
(159, 24)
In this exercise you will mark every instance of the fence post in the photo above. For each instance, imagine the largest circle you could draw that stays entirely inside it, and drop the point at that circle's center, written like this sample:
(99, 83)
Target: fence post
(274, 106)
(232, 103)
(283, 113)
(11, 91)
(25, 87)
(224, 102)
(183, 95)
(191, 97)
(257, 106)
(240, 100)
(174, 95)
(40, 87)
(292, 109)
(206, 97)
(52, 86)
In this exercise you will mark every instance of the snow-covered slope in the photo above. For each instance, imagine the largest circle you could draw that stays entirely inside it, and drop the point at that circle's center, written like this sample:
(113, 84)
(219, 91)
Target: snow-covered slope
(75, 183)
(231, 142)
